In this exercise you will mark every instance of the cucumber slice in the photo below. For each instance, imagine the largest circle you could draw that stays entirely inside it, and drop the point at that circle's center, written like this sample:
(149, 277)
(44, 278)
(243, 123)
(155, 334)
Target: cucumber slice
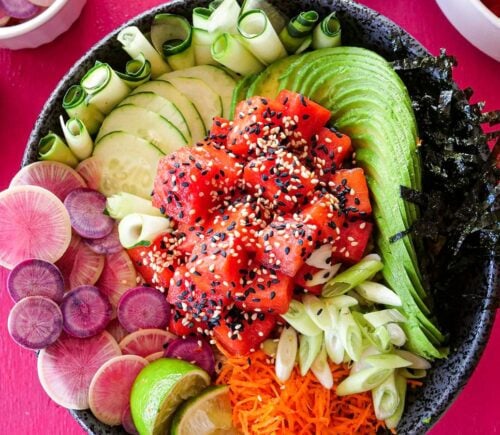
(161, 106)
(128, 164)
(144, 124)
(215, 77)
(184, 104)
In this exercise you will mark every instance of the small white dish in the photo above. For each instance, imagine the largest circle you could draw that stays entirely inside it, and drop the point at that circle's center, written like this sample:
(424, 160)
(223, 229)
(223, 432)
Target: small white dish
(43, 28)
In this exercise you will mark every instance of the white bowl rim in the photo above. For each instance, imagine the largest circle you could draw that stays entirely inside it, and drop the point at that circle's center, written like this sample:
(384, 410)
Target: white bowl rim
(487, 12)
(8, 32)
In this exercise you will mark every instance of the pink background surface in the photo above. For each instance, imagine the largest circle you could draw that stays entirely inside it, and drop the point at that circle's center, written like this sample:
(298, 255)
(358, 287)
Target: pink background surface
(27, 77)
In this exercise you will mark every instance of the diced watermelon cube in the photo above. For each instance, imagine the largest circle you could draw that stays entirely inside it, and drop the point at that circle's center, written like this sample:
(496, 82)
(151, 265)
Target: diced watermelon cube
(219, 130)
(349, 186)
(351, 244)
(304, 276)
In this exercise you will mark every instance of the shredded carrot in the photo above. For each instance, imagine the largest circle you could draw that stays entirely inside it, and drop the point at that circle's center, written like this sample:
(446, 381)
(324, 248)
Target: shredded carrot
(263, 405)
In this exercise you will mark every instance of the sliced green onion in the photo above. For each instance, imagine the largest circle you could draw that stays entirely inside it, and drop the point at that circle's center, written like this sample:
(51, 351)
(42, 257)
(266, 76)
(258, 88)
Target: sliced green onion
(410, 373)
(321, 369)
(260, 37)
(364, 380)
(317, 311)
(387, 361)
(136, 44)
(392, 421)
(327, 33)
(277, 19)
(417, 362)
(230, 52)
(77, 137)
(386, 398)
(122, 204)
(214, 4)
(352, 277)
(396, 333)
(357, 366)
(202, 45)
(270, 347)
(104, 88)
(172, 36)
(309, 347)
(382, 317)
(378, 293)
(350, 334)
(379, 338)
(76, 106)
(137, 72)
(323, 275)
(341, 301)
(334, 346)
(321, 257)
(297, 30)
(286, 354)
(200, 18)
(141, 229)
(52, 147)
(297, 317)
(224, 18)
(333, 311)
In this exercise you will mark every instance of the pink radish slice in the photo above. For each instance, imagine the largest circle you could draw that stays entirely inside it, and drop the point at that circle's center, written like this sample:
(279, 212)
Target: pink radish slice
(35, 322)
(42, 3)
(90, 170)
(66, 368)
(109, 244)
(116, 330)
(117, 276)
(56, 177)
(127, 422)
(142, 308)
(86, 311)
(109, 392)
(22, 9)
(33, 224)
(194, 350)
(86, 211)
(146, 341)
(4, 19)
(35, 277)
(155, 356)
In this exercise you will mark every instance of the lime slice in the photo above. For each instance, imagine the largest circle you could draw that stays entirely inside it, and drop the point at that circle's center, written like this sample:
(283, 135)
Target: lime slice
(208, 413)
(159, 389)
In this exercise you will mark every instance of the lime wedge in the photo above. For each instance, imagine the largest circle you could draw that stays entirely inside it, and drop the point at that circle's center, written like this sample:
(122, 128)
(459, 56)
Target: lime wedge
(209, 413)
(159, 389)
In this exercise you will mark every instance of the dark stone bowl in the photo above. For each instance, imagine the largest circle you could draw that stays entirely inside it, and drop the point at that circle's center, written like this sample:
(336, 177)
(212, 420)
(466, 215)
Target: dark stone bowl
(467, 320)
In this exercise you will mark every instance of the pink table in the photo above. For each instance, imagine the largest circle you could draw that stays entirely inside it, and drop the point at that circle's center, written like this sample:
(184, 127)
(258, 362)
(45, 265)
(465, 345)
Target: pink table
(26, 81)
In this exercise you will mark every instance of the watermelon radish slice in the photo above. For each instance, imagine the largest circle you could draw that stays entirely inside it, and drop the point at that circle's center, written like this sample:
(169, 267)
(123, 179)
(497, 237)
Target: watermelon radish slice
(116, 330)
(128, 423)
(194, 350)
(35, 277)
(42, 3)
(146, 341)
(22, 9)
(142, 308)
(39, 221)
(80, 265)
(90, 170)
(117, 276)
(155, 356)
(86, 211)
(86, 311)
(66, 368)
(109, 392)
(35, 322)
(56, 177)
(109, 244)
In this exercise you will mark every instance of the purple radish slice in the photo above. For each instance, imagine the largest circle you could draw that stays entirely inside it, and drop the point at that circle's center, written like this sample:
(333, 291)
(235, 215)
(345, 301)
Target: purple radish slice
(86, 311)
(146, 342)
(109, 244)
(56, 177)
(35, 322)
(109, 393)
(155, 356)
(66, 368)
(116, 330)
(86, 211)
(22, 9)
(35, 277)
(117, 276)
(194, 350)
(143, 308)
(90, 170)
(128, 423)
(42, 3)
(33, 224)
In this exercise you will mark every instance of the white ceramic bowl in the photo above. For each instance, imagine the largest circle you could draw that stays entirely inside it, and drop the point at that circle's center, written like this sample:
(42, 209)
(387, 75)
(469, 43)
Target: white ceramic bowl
(43, 28)
(476, 23)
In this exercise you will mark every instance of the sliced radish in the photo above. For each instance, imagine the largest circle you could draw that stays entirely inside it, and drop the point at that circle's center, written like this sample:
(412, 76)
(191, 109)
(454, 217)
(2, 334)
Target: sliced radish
(33, 224)
(22, 9)
(155, 356)
(56, 177)
(86, 211)
(35, 322)
(42, 3)
(109, 244)
(90, 169)
(35, 277)
(116, 330)
(66, 368)
(194, 350)
(86, 311)
(128, 423)
(146, 342)
(109, 392)
(117, 276)
(142, 308)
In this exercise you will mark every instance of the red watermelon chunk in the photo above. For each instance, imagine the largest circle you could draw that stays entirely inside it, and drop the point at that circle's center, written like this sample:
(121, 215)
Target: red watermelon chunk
(219, 130)
(352, 242)
(349, 186)
(304, 276)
